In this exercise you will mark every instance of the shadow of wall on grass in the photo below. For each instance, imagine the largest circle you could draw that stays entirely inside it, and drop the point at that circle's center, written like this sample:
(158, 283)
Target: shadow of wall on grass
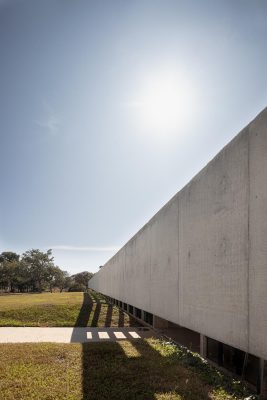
(109, 373)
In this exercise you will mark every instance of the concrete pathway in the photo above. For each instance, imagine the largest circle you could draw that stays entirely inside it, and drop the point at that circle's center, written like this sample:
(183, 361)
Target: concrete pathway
(72, 335)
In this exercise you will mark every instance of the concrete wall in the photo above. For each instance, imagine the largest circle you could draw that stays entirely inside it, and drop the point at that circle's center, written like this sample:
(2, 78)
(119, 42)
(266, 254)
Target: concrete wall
(201, 261)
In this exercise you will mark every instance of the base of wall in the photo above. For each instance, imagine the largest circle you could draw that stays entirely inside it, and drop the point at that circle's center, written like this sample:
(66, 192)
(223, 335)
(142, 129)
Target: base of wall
(248, 367)
(160, 323)
(263, 379)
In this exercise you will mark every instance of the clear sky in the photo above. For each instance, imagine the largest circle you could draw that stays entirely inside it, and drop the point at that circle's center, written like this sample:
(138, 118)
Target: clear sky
(108, 108)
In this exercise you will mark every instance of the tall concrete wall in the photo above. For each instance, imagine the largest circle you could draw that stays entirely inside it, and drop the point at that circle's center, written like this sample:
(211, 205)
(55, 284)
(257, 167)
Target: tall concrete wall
(201, 261)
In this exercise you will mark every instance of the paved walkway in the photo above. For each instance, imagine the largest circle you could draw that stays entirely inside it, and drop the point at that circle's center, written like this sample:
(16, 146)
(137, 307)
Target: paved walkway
(71, 335)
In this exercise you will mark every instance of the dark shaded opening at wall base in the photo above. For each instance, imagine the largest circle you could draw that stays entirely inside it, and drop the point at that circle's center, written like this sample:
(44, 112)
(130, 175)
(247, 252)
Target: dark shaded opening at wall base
(184, 336)
(148, 318)
(137, 313)
(237, 361)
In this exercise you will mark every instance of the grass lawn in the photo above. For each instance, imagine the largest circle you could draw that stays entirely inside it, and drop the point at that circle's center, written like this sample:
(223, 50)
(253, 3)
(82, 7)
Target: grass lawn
(145, 369)
(125, 370)
(60, 309)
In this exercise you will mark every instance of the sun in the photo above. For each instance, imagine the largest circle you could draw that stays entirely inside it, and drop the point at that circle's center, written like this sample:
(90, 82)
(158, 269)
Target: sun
(165, 103)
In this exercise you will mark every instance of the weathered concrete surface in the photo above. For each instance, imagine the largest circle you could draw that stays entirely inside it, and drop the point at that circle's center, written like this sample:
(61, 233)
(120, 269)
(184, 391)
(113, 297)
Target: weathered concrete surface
(257, 299)
(201, 261)
(71, 335)
(213, 254)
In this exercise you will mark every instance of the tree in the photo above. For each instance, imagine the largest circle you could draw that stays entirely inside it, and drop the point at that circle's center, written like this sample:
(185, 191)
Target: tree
(82, 278)
(22, 278)
(8, 256)
(39, 264)
(9, 262)
(36, 271)
(57, 278)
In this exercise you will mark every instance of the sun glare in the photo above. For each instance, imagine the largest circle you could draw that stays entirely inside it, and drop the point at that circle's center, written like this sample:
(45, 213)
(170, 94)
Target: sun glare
(165, 104)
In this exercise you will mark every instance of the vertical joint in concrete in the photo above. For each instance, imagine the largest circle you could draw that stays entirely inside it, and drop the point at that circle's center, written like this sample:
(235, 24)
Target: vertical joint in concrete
(203, 346)
(142, 315)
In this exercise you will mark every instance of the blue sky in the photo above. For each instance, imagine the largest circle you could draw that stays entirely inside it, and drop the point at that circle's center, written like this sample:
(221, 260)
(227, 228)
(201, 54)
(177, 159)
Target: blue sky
(108, 108)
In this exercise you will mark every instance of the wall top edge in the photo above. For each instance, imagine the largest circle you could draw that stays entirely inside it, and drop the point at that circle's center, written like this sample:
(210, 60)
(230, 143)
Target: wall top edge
(248, 129)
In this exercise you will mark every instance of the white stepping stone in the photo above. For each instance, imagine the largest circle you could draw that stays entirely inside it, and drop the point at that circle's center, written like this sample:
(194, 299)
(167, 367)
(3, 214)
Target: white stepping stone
(119, 335)
(103, 335)
(134, 335)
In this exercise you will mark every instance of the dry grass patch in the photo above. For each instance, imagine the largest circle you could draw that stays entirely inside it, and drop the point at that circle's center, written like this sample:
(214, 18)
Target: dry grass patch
(126, 370)
(60, 309)
(24, 300)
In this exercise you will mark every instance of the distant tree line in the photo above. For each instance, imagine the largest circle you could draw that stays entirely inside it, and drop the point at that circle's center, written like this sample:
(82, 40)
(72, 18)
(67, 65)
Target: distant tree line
(35, 271)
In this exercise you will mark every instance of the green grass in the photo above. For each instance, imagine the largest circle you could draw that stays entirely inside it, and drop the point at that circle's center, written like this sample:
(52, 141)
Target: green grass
(18, 301)
(137, 370)
(60, 309)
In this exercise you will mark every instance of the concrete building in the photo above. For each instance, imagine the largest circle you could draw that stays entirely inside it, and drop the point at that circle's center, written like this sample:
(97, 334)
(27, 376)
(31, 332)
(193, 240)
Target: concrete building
(200, 263)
